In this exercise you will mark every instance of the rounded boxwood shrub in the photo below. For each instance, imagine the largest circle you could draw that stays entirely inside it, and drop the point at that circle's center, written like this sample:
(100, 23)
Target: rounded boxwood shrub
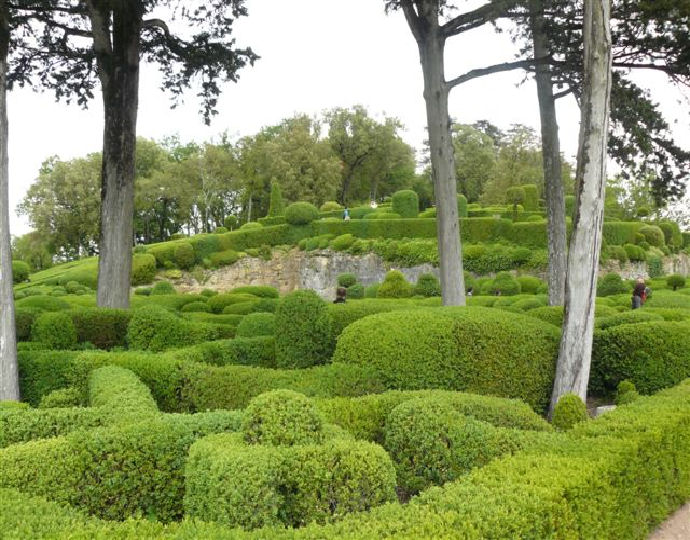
(342, 242)
(427, 285)
(104, 328)
(163, 287)
(62, 397)
(330, 206)
(220, 230)
(56, 330)
(440, 348)
(405, 203)
(230, 222)
(347, 279)
(143, 268)
(154, 328)
(612, 284)
(252, 225)
(431, 443)
(569, 410)
(24, 319)
(241, 308)
(626, 393)
(282, 417)
(301, 213)
(44, 303)
(184, 255)
(394, 286)
(303, 331)
(256, 324)
(355, 291)
(224, 258)
(261, 291)
(58, 291)
(219, 302)
(505, 284)
(529, 284)
(675, 281)
(195, 307)
(653, 234)
(372, 290)
(20, 271)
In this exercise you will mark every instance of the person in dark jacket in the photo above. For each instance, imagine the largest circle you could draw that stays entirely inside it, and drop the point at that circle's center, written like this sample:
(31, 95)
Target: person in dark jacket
(639, 293)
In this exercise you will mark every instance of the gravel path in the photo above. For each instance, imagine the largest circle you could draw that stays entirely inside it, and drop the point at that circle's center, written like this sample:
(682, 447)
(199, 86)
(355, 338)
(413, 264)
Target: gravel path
(677, 527)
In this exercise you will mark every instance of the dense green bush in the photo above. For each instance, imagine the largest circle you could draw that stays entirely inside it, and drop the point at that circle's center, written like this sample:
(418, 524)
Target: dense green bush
(394, 286)
(251, 226)
(260, 291)
(143, 268)
(256, 351)
(303, 331)
(224, 258)
(627, 317)
(241, 308)
(612, 284)
(427, 285)
(505, 284)
(431, 443)
(529, 284)
(438, 348)
(195, 307)
(652, 355)
(405, 203)
(104, 328)
(55, 330)
(626, 393)
(163, 287)
(24, 319)
(256, 324)
(301, 213)
(675, 281)
(343, 242)
(348, 279)
(619, 233)
(219, 302)
(20, 271)
(62, 397)
(462, 206)
(569, 410)
(276, 205)
(120, 394)
(43, 303)
(634, 253)
(672, 234)
(282, 417)
(531, 200)
(653, 235)
(230, 222)
(27, 424)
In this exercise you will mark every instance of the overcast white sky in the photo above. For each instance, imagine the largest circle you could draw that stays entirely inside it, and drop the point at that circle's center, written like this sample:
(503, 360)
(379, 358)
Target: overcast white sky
(315, 55)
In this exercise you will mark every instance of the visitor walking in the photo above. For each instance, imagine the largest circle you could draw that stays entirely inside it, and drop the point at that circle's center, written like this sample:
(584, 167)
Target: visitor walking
(639, 293)
(346, 214)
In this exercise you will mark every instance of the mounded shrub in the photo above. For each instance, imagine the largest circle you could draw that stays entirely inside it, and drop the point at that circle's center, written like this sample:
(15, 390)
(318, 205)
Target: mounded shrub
(569, 410)
(653, 235)
(343, 242)
(651, 355)
(439, 348)
(303, 330)
(105, 328)
(355, 291)
(154, 328)
(20, 271)
(195, 307)
(219, 302)
(301, 213)
(634, 253)
(256, 324)
(230, 222)
(241, 308)
(394, 286)
(224, 258)
(143, 268)
(626, 393)
(529, 284)
(462, 207)
(256, 351)
(163, 287)
(348, 279)
(330, 206)
(62, 397)
(626, 317)
(505, 284)
(282, 417)
(24, 319)
(427, 285)
(672, 234)
(55, 330)
(44, 303)
(261, 291)
(251, 226)
(431, 443)
(612, 284)
(25, 424)
(405, 203)
(675, 281)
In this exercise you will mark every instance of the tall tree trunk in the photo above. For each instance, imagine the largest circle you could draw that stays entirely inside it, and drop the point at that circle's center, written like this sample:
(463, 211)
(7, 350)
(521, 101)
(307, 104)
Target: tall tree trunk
(118, 65)
(554, 192)
(572, 370)
(431, 53)
(9, 373)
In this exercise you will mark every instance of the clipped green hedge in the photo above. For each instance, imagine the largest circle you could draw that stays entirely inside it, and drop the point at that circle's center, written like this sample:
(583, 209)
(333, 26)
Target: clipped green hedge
(105, 328)
(653, 355)
(55, 330)
(256, 351)
(440, 348)
(120, 394)
(256, 324)
(143, 269)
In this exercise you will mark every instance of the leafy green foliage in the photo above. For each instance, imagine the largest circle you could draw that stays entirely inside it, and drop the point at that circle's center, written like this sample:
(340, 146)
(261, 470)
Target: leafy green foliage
(428, 285)
(184, 255)
(256, 324)
(394, 286)
(405, 203)
(675, 281)
(20, 271)
(612, 284)
(102, 327)
(569, 411)
(301, 213)
(276, 207)
(282, 417)
(143, 268)
(347, 279)
(303, 330)
(163, 288)
(55, 330)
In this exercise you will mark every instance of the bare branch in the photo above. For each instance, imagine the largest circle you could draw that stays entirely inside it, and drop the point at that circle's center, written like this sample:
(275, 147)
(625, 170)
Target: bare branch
(477, 17)
(496, 68)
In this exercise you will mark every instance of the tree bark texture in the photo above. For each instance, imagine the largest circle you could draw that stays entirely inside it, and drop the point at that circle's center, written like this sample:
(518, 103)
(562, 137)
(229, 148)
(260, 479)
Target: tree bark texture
(554, 192)
(572, 370)
(431, 45)
(9, 372)
(118, 64)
